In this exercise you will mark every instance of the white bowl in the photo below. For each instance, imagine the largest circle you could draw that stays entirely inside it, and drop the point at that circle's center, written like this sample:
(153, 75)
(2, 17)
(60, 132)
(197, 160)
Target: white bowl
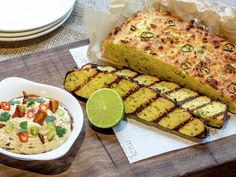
(12, 87)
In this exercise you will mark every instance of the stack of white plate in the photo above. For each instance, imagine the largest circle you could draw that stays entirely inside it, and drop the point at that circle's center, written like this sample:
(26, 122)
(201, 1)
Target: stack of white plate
(28, 19)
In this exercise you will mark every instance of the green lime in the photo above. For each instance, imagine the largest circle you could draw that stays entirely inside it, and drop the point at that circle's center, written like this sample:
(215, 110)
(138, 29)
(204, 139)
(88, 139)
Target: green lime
(105, 108)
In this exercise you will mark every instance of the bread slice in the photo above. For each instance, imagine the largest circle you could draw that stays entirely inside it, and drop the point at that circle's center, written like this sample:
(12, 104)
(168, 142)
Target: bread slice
(129, 83)
(159, 44)
(139, 100)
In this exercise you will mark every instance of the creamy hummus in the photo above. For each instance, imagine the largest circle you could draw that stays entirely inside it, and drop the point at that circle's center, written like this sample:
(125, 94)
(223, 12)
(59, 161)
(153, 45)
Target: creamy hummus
(33, 125)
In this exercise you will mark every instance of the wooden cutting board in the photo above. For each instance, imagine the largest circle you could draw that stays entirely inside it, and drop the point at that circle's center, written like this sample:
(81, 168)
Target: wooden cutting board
(99, 153)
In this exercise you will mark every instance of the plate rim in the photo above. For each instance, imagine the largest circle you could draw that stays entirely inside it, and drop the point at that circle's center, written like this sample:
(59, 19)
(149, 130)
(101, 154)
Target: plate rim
(71, 4)
(36, 35)
(34, 31)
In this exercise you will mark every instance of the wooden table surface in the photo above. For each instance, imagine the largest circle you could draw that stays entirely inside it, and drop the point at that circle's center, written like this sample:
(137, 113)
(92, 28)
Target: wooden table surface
(99, 153)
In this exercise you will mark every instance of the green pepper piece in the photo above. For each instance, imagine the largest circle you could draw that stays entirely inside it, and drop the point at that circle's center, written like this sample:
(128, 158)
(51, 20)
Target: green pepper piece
(147, 35)
(186, 66)
(205, 70)
(229, 47)
(60, 112)
(50, 134)
(187, 48)
(133, 28)
(34, 130)
(9, 127)
(169, 23)
(232, 88)
(51, 126)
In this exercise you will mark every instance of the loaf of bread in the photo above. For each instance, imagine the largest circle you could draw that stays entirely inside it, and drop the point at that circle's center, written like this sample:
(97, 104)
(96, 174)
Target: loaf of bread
(159, 44)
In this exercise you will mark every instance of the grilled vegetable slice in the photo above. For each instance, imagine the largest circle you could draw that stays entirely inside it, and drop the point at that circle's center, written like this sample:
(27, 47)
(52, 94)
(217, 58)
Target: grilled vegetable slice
(139, 100)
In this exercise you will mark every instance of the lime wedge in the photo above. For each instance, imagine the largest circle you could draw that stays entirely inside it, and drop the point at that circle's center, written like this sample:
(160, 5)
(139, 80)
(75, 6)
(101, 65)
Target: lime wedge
(105, 108)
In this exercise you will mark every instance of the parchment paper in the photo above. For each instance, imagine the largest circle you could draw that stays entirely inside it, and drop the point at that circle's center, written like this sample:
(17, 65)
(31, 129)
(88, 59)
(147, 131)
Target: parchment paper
(137, 140)
(140, 141)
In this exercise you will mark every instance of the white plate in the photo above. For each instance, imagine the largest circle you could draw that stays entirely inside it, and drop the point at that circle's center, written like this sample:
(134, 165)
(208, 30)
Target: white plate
(22, 38)
(8, 90)
(31, 32)
(24, 15)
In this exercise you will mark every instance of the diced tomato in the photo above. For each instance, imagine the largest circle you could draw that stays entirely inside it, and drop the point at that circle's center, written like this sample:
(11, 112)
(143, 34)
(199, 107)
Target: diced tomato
(24, 137)
(31, 113)
(5, 106)
(43, 107)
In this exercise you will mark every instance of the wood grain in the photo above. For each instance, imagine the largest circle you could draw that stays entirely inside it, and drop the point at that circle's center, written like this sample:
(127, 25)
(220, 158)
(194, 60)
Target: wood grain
(98, 153)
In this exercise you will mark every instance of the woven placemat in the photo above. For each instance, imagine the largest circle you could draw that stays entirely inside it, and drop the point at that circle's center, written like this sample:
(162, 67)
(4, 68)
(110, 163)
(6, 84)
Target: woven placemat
(72, 30)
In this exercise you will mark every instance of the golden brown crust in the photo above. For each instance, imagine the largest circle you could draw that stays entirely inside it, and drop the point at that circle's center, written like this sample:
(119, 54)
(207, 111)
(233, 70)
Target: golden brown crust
(207, 57)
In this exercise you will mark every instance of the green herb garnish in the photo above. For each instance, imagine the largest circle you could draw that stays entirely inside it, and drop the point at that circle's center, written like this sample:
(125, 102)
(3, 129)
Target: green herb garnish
(50, 119)
(5, 116)
(40, 100)
(60, 131)
(23, 126)
(30, 102)
(12, 102)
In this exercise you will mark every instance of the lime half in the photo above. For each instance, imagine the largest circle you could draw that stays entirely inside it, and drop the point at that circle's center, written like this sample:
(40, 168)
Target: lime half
(105, 108)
